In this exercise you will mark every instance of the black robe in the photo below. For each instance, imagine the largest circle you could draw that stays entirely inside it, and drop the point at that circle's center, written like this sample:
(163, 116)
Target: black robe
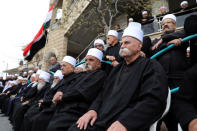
(111, 51)
(133, 94)
(174, 61)
(45, 115)
(47, 101)
(185, 102)
(76, 99)
(35, 97)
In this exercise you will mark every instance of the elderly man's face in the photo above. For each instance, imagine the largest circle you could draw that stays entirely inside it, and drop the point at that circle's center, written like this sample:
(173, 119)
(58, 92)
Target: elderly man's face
(66, 68)
(92, 63)
(78, 70)
(130, 47)
(41, 80)
(32, 79)
(56, 79)
(111, 40)
(168, 25)
(53, 60)
(184, 6)
(99, 46)
(145, 15)
(163, 10)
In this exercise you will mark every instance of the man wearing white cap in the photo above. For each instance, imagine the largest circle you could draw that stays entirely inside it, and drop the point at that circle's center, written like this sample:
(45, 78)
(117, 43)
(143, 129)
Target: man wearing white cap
(130, 20)
(44, 103)
(66, 75)
(78, 95)
(184, 5)
(25, 74)
(174, 61)
(112, 52)
(31, 99)
(145, 17)
(163, 10)
(99, 44)
(134, 85)
(79, 68)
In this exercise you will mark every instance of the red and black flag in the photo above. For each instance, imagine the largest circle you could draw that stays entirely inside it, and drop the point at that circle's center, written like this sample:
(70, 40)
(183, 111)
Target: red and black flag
(39, 40)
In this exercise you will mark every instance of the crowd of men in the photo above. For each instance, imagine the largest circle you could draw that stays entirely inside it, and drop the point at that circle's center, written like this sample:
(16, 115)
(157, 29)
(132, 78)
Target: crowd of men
(128, 95)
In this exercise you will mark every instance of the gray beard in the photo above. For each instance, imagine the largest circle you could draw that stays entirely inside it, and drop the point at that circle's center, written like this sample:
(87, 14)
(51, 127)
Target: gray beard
(54, 84)
(40, 86)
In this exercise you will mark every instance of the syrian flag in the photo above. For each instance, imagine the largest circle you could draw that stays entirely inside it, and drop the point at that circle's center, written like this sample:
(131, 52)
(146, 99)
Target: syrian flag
(39, 40)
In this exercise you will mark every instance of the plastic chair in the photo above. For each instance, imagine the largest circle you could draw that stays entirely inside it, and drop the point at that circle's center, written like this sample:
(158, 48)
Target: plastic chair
(154, 125)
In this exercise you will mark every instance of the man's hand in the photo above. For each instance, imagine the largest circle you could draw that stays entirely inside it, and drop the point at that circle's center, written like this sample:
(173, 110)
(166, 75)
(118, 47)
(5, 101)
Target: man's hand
(177, 42)
(8, 93)
(116, 126)
(57, 97)
(25, 103)
(193, 125)
(115, 63)
(142, 54)
(157, 44)
(83, 121)
(40, 102)
(111, 58)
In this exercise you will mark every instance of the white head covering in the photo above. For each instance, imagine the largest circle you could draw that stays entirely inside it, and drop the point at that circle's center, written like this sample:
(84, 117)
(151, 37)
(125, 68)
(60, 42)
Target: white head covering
(13, 82)
(33, 75)
(183, 2)
(59, 74)
(170, 16)
(130, 19)
(100, 41)
(82, 66)
(113, 33)
(30, 71)
(16, 74)
(25, 72)
(38, 72)
(96, 53)
(144, 12)
(70, 60)
(134, 30)
(59, 14)
(163, 7)
(188, 48)
(45, 76)
(20, 77)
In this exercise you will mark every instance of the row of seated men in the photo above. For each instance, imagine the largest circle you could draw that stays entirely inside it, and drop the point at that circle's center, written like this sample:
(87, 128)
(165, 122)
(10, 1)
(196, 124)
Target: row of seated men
(129, 95)
(183, 8)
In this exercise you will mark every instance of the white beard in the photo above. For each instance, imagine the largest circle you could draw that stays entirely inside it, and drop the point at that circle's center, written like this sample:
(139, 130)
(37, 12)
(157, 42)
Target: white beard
(40, 86)
(34, 84)
(54, 84)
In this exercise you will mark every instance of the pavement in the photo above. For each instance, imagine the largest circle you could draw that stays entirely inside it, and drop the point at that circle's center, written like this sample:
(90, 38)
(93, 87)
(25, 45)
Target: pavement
(5, 123)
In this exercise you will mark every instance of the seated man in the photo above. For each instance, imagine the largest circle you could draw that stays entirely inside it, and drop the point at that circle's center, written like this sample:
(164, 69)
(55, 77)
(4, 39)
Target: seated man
(34, 96)
(134, 95)
(74, 99)
(42, 103)
(67, 69)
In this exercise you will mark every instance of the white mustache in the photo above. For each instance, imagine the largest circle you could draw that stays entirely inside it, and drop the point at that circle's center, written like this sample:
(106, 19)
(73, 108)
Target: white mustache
(89, 66)
(124, 50)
